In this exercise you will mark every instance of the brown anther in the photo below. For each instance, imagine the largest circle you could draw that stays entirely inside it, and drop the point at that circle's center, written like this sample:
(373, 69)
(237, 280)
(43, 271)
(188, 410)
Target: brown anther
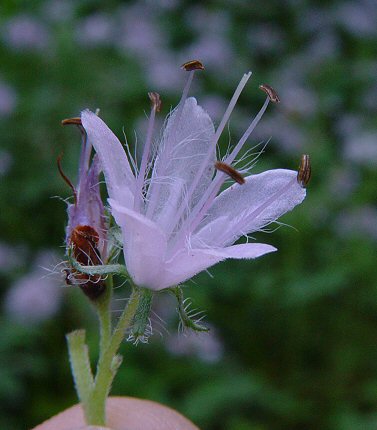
(272, 94)
(156, 101)
(65, 178)
(230, 171)
(192, 65)
(84, 241)
(304, 171)
(74, 121)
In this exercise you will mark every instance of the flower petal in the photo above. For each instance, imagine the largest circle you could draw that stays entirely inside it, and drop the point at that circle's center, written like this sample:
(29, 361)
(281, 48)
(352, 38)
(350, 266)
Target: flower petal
(184, 145)
(89, 209)
(189, 262)
(120, 180)
(144, 246)
(249, 207)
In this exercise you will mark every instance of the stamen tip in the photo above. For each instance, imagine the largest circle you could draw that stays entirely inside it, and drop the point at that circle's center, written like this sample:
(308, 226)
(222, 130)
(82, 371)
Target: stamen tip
(156, 101)
(192, 65)
(74, 121)
(230, 171)
(304, 171)
(271, 93)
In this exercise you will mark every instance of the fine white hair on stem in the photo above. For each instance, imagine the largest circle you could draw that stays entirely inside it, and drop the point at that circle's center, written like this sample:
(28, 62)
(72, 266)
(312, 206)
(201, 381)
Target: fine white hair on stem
(121, 285)
(54, 270)
(160, 323)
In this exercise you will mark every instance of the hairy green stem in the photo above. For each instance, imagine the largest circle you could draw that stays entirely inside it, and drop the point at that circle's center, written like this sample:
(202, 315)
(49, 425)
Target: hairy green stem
(80, 365)
(104, 314)
(108, 364)
(106, 269)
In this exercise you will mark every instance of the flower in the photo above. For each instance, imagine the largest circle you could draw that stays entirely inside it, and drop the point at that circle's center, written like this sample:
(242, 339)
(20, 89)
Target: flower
(86, 230)
(174, 222)
(34, 297)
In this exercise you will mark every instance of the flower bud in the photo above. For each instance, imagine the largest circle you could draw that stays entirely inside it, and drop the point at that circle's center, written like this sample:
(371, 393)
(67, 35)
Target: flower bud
(86, 229)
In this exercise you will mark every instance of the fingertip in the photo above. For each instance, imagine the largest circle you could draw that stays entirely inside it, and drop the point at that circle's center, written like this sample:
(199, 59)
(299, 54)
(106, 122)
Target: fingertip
(123, 413)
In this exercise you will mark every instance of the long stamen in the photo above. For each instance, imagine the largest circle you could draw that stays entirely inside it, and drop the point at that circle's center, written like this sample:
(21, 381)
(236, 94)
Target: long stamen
(200, 210)
(86, 148)
(156, 106)
(65, 178)
(273, 97)
(211, 148)
(206, 201)
(219, 178)
(191, 67)
(247, 133)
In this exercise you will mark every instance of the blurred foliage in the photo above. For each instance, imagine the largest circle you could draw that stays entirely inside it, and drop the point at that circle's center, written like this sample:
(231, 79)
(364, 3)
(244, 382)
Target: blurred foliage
(298, 327)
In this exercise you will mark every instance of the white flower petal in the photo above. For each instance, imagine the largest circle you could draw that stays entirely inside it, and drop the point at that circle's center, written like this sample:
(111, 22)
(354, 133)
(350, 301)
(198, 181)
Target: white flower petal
(120, 180)
(184, 147)
(189, 262)
(144, 246)
(249, 207)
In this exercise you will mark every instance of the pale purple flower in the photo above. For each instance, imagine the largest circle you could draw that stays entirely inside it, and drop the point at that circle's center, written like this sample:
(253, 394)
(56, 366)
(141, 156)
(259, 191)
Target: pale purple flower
(139, 32)
(361, 148)
(163, 4)
(95, 30)
(24, 32)
(35, 297)
(6, 161)
(361, 221)
(316, 19)
(174, 223)
(214, 48)
(215, 105)
(206, 346)
(8, 99)
(59, 10)
(162, 72)
(299, 100)
(202, 20)
(289, 135)
(266, 38)
(370, 97)
(344, 181)
(11, 257)
(324, 46)
(358, 17)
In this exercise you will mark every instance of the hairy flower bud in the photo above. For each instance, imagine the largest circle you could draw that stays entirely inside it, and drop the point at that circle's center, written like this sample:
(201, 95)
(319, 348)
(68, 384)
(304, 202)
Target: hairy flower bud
(86, 228)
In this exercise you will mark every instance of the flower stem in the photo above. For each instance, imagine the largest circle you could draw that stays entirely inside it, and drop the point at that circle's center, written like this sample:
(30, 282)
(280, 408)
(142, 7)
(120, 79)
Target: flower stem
(104, 314)
(108, 365)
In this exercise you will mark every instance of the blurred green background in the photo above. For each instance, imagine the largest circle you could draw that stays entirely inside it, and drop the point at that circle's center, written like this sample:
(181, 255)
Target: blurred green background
(293, 343)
